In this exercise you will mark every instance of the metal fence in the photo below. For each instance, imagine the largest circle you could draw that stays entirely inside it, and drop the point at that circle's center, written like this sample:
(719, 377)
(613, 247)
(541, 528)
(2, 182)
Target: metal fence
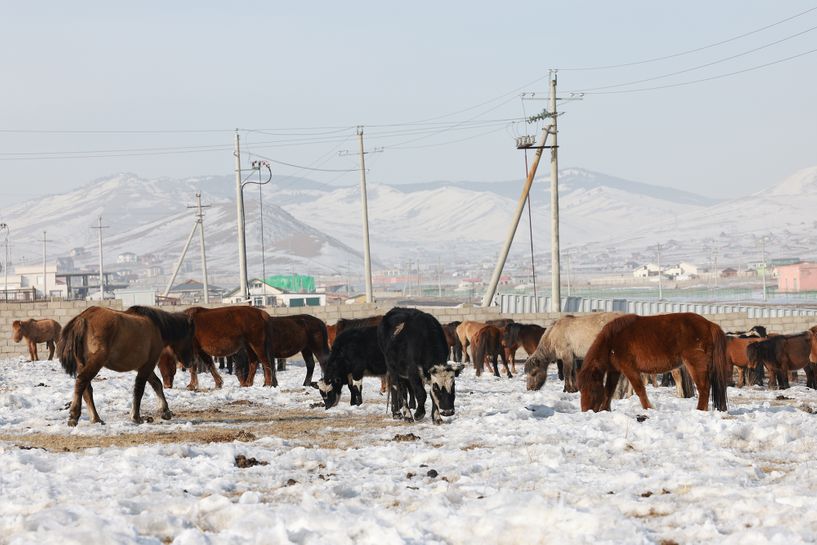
(527, 303)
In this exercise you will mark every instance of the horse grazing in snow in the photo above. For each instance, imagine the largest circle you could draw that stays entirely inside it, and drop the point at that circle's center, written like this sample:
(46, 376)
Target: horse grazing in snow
(631, 345)
(516, 335)
(781, 354)
(122, 341)
(37, 331)
(486, 343)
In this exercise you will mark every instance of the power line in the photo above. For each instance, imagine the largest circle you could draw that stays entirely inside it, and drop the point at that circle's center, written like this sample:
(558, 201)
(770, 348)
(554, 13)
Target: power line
(692, 82)
(302, 166)
(695, 50)
(724, 59)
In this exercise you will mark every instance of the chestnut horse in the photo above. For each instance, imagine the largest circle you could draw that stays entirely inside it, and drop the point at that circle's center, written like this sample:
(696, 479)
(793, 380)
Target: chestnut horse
(487, 342)
(655, 344)
(736, 354)
(37, 331)
(465, 331)
(781, 354)
(288, 335)
(122, 341)
(346, 323)
(454, 345)
(224, 331)
(516, 335)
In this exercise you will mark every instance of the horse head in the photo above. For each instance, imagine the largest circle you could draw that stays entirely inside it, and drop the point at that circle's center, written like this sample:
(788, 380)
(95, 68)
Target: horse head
(18, 330)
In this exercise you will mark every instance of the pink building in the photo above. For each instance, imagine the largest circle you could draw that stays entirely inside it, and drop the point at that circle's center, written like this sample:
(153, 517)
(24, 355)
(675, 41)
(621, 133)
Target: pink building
(797, 277)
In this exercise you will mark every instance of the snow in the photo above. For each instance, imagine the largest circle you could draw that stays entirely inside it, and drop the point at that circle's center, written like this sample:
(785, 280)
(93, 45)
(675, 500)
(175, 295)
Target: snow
(513, 467)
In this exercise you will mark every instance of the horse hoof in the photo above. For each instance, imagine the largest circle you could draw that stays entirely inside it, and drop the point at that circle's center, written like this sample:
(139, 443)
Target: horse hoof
(191, 388)
(167, 415)
(72, 423)
(98, 421)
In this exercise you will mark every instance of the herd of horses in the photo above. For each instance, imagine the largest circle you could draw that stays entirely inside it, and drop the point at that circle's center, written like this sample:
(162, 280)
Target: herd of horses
(602, 355)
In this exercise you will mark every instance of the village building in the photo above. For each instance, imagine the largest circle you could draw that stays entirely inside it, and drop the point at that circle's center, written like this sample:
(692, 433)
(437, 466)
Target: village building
(797, 277)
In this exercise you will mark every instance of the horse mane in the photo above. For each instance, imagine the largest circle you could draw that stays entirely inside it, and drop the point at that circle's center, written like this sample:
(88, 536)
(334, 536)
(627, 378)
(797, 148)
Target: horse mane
(511, 333)
(173, 326)
(597, 358)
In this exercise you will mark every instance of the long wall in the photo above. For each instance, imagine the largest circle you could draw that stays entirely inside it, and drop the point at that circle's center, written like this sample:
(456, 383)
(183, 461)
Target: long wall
(62, 311)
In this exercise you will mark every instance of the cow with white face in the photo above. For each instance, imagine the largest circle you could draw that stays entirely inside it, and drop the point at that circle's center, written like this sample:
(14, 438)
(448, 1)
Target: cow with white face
(416, 353)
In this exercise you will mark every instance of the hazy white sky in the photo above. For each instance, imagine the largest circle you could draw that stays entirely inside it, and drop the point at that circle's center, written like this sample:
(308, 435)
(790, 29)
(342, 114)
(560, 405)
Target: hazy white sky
(288, 67)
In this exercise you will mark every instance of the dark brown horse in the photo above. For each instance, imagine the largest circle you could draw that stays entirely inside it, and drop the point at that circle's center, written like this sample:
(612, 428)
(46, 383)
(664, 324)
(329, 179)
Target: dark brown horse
(454, 345)
(487, 343)
(781, 354)
(288, 335)
(122, 341)
(224, 331)
(633, 344)
(516, 335)
(37, 331)
(346, 323)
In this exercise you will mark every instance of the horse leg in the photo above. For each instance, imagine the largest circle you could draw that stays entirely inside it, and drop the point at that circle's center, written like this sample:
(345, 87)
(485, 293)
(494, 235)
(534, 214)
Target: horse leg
(632, 374)
(88, 396)
(699, 371)
(610, 387)
(384, 384)
(569, 366)
(213, 371)
(51, 347)
(310, 366)
(156, 384)
(505, 364)
(495, 364)
(138, 392)
(741, 377)
(32, 350)
(811, 376)
(270, 378)
(560, 369)
(83, 381)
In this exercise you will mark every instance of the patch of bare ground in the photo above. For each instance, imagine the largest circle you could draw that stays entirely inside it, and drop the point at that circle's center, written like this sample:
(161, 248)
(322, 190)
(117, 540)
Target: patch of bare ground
(232, 422)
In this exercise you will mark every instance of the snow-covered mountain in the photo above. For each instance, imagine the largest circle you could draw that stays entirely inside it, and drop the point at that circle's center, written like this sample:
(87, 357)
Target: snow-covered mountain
(313, 227)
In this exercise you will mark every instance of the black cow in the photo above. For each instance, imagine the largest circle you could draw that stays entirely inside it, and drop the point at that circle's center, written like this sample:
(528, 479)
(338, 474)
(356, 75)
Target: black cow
(416, 353)
(355, 354)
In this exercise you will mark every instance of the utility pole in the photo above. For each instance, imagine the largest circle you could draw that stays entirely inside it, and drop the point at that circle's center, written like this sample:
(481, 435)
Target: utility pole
(100, 227)
(364, 205)
(4, 228)
(367, 257)
(660, 290)
(45, 278)
(239, 203)
(568, 276)
(555, 273)
(200, 222)
(763, 260)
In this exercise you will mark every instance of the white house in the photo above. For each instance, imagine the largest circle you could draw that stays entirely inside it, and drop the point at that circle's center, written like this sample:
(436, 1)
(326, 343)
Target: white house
(681, 271)
(26, 277)
(647, 271)
(264, 295)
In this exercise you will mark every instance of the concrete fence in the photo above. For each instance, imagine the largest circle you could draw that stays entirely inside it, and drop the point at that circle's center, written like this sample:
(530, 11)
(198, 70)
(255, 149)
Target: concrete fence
(62, 311)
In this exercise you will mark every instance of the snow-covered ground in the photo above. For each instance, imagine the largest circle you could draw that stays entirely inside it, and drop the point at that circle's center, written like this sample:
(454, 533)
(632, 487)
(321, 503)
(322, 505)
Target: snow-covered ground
(510, 467)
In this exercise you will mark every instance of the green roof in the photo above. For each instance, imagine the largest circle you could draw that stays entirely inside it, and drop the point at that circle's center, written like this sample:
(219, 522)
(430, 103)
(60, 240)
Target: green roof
(294, 283)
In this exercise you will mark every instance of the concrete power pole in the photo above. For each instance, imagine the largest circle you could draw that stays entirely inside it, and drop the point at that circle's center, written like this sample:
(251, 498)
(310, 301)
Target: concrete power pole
(100, 227)
(200, 221)
(45, 278)
(4, 228)
(763, 260)
(660, 287)
(555, 262)
(239, 203)
(364, 204)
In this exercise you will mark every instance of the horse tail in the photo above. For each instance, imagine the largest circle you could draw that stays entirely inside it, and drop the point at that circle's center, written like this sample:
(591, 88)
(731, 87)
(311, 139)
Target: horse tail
(71, 346)
(719, 369)
(322, 338)
(478, 350)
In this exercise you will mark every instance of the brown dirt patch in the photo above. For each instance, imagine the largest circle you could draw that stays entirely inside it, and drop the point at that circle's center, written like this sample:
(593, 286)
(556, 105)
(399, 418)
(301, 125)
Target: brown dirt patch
(233, 422)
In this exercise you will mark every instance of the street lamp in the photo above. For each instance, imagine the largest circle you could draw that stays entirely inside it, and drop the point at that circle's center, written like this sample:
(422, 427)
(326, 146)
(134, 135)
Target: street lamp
(4, 228)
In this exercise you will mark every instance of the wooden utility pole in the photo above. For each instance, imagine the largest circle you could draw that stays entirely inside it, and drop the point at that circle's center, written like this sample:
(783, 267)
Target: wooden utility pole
(45, 270)
(555, 262)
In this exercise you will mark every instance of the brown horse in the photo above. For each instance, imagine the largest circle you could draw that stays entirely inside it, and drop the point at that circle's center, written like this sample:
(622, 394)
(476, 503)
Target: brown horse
(516, 335)
(224, 331)
(288, 335)
(454, 345)
(655, 344)
(347, 323)
(736, 354)
(487, 343)
(465, 332)
(781, 354)
(37, 331)
(499, 322)
(122, 341)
